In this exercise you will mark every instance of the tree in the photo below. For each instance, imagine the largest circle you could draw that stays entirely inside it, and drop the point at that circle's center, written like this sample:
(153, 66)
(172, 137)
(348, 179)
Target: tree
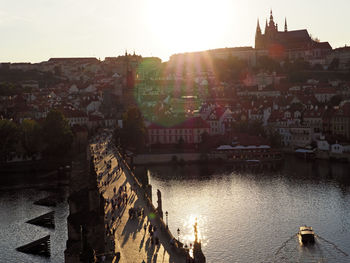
(206, 142)
(9, 134)
(275, 139)
(134, 133)
(57, 135)
(31, 137)
(335, 101)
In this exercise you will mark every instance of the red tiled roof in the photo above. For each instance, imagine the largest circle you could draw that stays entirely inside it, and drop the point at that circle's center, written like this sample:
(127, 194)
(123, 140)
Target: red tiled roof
(218, 112)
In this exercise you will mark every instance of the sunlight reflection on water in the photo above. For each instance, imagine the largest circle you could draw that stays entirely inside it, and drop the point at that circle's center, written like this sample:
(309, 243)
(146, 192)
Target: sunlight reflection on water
(244, 217)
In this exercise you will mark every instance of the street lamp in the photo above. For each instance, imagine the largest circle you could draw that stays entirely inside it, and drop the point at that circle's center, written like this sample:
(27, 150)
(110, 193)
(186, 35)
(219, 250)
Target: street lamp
(178, 234)
(166, 217)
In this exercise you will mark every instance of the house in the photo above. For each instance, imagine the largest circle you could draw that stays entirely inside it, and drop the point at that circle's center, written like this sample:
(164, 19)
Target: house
(301, 136)
(339, 148)
(313, 118)
(217, 119)
(324, 94)
(75, 117)
(340, 121)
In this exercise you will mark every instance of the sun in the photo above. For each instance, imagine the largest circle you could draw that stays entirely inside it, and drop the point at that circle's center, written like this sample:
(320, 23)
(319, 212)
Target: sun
(187, 25)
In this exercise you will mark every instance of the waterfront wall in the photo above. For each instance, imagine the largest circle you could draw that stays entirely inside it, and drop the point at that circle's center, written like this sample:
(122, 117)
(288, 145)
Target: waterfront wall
(142, 159)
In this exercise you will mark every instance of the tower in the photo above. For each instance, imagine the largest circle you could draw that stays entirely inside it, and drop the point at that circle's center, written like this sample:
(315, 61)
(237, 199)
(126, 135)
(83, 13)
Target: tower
(271, 23)
(258, 37)
(285, 25)
(258, 29)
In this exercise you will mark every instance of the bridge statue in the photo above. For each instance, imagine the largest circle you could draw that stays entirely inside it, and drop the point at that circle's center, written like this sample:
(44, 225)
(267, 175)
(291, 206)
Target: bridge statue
(159, 202)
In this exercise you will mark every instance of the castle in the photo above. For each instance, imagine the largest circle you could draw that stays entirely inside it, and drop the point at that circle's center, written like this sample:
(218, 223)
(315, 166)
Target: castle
(291, 44)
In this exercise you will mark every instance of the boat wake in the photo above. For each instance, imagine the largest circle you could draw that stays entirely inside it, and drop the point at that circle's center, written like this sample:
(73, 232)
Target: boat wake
(323, 251)
(334, 245)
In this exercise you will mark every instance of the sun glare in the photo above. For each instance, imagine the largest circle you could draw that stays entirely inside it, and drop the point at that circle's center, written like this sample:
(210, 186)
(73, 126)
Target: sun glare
(187, 25)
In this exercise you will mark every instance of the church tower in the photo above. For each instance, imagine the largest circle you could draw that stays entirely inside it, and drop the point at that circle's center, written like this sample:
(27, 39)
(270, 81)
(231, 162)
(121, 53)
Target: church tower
(285, 25)
(271, 23)
(258, 38)
(258, 29)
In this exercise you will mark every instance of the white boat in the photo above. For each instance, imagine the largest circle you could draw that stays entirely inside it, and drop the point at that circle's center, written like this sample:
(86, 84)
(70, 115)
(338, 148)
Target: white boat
(306, 235)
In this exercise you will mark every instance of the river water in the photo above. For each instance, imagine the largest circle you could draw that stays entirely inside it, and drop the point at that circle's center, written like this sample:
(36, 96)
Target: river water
(17, 196)
(254, 217)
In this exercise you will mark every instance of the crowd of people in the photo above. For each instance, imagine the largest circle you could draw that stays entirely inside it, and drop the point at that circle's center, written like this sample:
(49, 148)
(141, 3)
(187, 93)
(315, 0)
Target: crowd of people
(109, 166)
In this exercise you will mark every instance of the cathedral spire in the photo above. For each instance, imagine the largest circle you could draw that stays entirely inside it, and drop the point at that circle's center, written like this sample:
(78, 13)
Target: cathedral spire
(285, 25)
(271, 23)
(258, 29)
(266, 26)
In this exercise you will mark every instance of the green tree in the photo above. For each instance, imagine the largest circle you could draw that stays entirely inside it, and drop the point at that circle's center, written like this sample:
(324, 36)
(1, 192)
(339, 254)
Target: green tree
(31, 137)
(57, 135)
(9, 134)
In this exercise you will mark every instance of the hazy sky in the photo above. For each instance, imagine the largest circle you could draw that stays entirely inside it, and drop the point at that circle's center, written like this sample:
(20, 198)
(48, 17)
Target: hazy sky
(35, 30)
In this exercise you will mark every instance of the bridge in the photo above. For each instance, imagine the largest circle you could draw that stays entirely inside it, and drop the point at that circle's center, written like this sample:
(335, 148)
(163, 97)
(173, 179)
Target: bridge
(135, 230)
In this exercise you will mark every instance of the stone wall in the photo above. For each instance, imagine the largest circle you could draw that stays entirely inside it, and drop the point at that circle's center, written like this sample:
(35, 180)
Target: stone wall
(165, 158)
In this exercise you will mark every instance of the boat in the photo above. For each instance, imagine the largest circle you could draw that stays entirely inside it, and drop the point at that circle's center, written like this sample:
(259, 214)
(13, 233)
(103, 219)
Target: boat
(306, 235)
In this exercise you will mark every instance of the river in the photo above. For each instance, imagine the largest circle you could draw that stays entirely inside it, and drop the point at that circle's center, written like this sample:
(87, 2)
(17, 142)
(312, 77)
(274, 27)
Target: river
(254, 217)
(17, 196)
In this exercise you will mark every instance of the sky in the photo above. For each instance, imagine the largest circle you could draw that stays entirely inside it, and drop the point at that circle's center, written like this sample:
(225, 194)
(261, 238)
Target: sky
(36, 30)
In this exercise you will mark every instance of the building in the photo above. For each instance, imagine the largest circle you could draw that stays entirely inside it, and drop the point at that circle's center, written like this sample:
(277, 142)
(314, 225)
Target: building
(219, 120)
(340, 121)
(247, 54)
(189, 131)
(342, 55)
(290, 44)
